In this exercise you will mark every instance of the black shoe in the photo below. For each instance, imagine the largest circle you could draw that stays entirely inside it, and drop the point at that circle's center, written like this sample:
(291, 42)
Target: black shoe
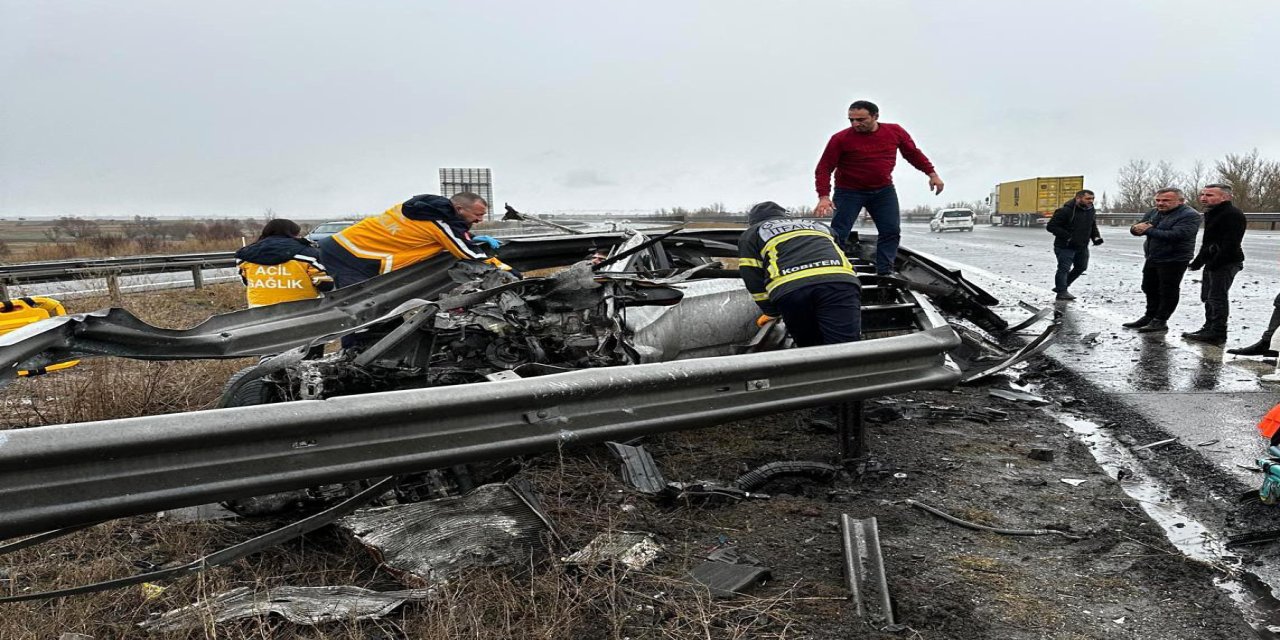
(1064, 295)
(1206, 336)
(1259, 348)
(1155, 326)
(1203, 329)
(1139, 323)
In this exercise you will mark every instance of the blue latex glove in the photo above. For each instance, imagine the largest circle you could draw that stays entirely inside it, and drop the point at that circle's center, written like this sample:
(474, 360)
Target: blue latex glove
(1270, 490)
(493, 242)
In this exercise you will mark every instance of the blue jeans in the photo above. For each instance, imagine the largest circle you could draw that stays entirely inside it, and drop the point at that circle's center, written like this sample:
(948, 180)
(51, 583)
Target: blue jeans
(1072, 261)
(882, 204)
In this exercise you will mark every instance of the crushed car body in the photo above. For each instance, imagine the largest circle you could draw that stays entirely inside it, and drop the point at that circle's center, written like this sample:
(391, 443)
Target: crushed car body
(458, 365)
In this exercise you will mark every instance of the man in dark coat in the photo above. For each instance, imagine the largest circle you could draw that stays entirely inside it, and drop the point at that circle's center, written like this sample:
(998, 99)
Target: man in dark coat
(1221, 257)
(1170, 231)
(1073, 226)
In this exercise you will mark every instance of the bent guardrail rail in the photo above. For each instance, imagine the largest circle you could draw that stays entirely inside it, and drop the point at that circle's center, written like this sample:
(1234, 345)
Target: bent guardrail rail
(248, 332)
(66, 475)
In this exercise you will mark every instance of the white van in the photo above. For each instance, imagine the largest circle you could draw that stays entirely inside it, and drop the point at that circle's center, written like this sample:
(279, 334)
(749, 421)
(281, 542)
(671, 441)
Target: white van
(951, 220)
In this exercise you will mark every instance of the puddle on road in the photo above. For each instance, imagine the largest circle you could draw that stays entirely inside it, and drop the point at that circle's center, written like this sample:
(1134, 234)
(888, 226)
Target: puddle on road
(1250, 594)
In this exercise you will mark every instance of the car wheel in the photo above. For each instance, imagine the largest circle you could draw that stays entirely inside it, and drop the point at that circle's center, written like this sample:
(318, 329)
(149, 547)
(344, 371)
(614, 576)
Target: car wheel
(248, 393)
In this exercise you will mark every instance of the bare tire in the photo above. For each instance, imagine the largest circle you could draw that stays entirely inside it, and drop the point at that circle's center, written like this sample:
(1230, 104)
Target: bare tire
(248, 393)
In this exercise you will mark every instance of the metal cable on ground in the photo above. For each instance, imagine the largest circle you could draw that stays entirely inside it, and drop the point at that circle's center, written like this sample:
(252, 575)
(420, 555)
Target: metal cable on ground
(223, 556)
(980, 527)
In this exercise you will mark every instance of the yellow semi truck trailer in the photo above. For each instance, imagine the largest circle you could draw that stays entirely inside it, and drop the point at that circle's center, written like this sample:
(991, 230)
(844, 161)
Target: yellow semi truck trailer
(1026, 203)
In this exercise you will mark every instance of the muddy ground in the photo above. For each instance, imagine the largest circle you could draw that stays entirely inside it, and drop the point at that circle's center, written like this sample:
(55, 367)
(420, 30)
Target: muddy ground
(1122, 580)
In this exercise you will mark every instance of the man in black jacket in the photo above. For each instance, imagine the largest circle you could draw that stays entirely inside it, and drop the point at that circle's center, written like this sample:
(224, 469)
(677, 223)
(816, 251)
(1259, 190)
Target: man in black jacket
(1221, 257)
(794, 269)
(1073, 226)
(1170, 231)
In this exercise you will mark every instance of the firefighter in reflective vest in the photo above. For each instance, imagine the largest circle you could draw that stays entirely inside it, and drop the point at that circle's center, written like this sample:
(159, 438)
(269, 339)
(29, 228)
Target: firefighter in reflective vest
(281, 266)
(794, 269)
(419, 228)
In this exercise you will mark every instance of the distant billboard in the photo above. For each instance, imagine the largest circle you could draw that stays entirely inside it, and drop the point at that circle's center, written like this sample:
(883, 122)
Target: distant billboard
(474, 180)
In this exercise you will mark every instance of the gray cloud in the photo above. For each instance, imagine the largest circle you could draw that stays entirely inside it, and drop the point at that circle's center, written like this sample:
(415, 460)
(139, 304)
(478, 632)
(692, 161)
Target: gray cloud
(328, 108)
(584, 179)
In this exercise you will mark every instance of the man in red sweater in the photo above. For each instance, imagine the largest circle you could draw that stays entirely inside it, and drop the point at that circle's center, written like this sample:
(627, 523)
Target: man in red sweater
(863, 157)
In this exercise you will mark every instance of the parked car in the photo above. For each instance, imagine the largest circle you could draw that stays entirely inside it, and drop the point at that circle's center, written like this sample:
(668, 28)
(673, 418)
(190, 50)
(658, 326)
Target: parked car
(327, 229)
(951, 220)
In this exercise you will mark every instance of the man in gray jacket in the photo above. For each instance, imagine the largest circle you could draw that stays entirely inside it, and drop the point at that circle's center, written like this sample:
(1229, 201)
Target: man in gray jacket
(1170, 231)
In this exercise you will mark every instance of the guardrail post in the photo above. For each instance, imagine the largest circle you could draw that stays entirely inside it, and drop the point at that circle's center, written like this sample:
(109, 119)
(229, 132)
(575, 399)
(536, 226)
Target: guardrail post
(197, 277)
(4, 291)
(851, 431)
(113, 289)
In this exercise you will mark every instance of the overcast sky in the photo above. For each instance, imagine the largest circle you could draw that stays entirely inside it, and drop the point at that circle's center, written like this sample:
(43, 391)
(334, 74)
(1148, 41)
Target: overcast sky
(325, 109)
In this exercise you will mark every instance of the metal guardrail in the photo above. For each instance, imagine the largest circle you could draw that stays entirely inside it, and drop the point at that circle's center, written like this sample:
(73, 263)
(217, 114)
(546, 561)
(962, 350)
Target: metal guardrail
(66, 475)
(1264, 221)
(256, 331)
(112, 269)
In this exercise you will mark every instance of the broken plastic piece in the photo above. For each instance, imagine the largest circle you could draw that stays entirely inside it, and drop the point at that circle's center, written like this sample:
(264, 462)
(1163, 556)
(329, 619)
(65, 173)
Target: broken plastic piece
(733, 555)
(1075, 482)
(635, 549)
(299, 605)
(725, 580)
(638, 468)
(1042, 454)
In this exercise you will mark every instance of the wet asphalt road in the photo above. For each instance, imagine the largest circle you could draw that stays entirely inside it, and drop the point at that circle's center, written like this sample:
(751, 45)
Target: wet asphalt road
(1195, 391)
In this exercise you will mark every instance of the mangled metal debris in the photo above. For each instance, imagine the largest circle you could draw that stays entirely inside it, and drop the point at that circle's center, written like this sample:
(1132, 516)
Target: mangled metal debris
(565, 346)
(1157, 443)
(864, 572)
(638, 468)
(299, 605)
(426, 542)
(1014, 395)
(981, 358)
(1037, 314)
(632, 549)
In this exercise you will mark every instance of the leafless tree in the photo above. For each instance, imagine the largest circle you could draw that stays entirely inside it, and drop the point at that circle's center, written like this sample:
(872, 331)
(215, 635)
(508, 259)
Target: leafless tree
(1196, 179)
(1254, 180)
(72, 227)
(1137, 183)
(978, 207)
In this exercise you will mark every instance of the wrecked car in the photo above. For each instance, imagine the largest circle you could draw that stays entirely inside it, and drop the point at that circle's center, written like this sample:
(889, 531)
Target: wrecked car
(458, 366)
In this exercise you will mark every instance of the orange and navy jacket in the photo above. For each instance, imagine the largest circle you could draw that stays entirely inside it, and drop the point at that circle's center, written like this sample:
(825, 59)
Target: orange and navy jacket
(281, 269)
(410, 232)
(778, 254)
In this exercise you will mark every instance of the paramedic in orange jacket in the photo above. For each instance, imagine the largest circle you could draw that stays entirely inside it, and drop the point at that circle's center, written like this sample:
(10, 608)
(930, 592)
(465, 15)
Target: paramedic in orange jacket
(408, 233)
(281, 266)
